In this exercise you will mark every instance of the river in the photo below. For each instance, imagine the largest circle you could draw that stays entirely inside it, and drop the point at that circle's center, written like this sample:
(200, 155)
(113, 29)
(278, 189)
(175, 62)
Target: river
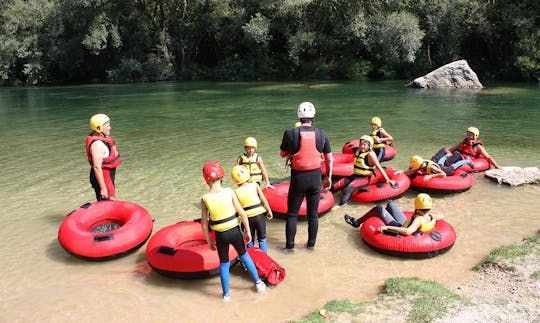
(166, 131)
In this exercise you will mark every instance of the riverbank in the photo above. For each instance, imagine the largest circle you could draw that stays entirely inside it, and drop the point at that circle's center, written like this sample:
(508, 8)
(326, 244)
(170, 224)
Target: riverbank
(504, 288)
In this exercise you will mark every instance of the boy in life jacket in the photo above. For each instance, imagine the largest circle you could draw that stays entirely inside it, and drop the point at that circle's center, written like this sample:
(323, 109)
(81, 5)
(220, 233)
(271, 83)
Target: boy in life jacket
(253, 163)
(380, 137)
(254, 202)
(395, 220)
(427, 168)
(221, 211)
(103, 156)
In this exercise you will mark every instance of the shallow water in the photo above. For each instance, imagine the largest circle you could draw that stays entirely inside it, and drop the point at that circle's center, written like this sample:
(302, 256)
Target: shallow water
(165, 132)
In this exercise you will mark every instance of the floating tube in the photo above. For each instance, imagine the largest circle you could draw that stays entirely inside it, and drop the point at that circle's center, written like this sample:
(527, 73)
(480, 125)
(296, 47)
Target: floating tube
(181, 251)
(277, 198)
(480, 164)
(375, 188)
(105, 230)
(418, 245)
(350, 147)
(343, 165)
(459, 181)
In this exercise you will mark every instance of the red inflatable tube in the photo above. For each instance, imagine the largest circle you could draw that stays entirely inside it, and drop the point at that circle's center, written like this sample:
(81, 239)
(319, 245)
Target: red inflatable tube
(277, 198)
(105, 230)
(376, 189)
(181, 251)
(350, 147)
(343, 165)
(418, 245)
(459, 181)
(480, 164)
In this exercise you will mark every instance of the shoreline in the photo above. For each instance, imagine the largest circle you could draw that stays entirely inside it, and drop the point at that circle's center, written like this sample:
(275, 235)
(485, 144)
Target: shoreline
(503, 288)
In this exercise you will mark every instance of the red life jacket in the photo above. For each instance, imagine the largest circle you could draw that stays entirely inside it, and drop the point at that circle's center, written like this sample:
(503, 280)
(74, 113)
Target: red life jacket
(110, 162)
(467, 147)
(307, 157)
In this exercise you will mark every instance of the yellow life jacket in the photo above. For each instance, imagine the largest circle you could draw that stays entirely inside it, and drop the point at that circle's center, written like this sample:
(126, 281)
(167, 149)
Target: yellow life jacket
(430, 165)
(250, 163)
(361, 165)
(221, 210)
(375, 134)
(249, 198)
(425, 226)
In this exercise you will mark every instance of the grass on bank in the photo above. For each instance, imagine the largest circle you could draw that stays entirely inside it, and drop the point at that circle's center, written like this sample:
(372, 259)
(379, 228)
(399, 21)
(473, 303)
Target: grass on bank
(416, 300)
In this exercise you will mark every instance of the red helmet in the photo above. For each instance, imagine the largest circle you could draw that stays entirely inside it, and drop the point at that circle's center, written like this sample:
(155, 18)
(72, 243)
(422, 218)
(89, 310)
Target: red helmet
(212, 171)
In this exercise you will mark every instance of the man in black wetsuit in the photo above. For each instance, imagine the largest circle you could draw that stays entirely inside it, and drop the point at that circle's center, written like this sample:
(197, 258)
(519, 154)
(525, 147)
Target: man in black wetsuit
(306, 147)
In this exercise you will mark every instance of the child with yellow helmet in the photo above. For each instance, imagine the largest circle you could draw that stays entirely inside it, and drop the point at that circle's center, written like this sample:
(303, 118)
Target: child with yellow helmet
(395, 220)
(365, 163)
(380, 137)
(221, 211)
(253, 163)
(252, 199)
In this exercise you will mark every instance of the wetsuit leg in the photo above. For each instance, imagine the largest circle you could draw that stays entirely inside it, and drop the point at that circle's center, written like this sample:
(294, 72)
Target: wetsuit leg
(224, 274)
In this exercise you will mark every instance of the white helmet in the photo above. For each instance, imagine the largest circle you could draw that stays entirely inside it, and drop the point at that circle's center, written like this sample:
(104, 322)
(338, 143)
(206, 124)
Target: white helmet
(306, 110)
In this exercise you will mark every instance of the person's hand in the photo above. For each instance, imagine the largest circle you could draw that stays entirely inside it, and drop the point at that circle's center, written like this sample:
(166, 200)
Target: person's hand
(270, 186)
(382, 228)
(247, 237)
(211, 244)
(104, 193)
(327, 183)
(426, 178)
(269, 215)
(392, 183)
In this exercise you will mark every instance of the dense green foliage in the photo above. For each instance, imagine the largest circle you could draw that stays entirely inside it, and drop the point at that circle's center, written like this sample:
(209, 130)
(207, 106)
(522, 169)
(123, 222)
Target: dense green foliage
(76, 41)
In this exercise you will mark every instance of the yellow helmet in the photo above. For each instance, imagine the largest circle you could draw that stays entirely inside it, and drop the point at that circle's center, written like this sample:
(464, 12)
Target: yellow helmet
(239, 175)
(423, 201)
(416, 161)
(377, 121)
(474, 131)
(250, 142)
(368, 139)
(97, 121)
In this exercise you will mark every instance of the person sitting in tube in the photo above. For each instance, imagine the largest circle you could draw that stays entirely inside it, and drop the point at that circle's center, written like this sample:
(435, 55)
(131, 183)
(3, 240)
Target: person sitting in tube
(427, 168)
(469, 147)
(396, 221)
(365, 163)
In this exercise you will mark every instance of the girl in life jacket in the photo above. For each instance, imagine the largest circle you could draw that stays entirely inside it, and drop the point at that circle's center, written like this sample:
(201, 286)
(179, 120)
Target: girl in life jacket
(253, 163)
(103, 156)
(365, 163)
(221, 211)
(397, 222)
(381, 138)
(253, 201)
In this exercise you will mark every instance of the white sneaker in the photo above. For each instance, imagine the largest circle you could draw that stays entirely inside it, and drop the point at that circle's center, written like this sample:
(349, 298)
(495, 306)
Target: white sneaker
(226, 297)
(261, 287)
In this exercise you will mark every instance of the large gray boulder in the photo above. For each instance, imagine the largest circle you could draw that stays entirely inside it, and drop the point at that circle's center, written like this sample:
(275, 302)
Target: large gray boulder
(457, 75)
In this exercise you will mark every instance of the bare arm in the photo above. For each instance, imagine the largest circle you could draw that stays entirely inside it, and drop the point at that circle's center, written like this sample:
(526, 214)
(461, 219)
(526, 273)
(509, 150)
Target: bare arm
(374, 161)
(385, 137)
(412, 228)
(98, 150)
(487, 156)
(243, 218)
(205, 225)
(264, 201)
(264, 172)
